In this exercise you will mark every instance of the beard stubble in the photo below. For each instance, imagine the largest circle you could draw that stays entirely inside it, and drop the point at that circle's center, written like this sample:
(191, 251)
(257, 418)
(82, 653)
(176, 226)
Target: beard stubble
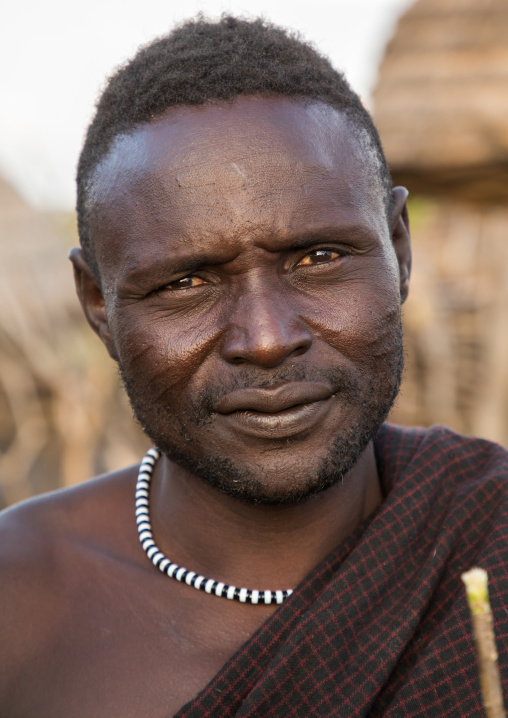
(371, 399)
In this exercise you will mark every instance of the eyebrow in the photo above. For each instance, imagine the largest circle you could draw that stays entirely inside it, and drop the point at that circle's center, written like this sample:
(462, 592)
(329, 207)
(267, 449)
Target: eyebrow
(160, 267)
(194, 262)
(322, 234)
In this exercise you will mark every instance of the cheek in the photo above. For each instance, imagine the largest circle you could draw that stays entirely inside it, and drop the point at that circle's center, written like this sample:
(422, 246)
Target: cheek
(163, 352)
(380, 330)
(360, 319)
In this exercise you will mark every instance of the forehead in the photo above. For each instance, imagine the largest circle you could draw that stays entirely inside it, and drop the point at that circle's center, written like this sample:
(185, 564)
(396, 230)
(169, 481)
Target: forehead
(257, 164)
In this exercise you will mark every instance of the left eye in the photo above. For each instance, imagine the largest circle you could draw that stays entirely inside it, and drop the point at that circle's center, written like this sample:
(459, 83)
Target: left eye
(319, 256)
(186, 283)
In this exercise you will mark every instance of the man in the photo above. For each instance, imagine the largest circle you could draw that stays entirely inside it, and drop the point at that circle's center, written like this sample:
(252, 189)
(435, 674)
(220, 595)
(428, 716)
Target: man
(244, 259)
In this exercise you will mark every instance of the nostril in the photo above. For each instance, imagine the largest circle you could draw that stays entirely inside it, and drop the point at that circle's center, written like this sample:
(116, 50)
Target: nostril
(300, 350)
(237, 360)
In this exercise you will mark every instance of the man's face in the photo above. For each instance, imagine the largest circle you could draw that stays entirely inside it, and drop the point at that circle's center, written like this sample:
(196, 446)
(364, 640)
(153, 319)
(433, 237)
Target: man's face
(252, 292)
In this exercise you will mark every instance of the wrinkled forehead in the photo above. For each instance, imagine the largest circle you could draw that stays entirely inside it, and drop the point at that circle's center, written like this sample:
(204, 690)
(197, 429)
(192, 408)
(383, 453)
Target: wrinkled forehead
(185, 146)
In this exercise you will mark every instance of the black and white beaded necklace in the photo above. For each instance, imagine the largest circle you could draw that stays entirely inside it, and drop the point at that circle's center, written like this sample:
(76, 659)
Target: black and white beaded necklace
(165, 565)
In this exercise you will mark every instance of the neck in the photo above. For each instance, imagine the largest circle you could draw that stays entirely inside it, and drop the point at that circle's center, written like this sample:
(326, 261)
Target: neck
(254, 545)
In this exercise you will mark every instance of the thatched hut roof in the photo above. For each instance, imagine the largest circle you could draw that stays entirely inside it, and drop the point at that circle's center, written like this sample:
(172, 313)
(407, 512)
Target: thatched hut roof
(442, 100)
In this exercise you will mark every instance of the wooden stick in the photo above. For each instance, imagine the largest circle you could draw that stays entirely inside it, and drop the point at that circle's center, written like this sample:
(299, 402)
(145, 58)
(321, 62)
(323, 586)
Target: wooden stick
(481, 615)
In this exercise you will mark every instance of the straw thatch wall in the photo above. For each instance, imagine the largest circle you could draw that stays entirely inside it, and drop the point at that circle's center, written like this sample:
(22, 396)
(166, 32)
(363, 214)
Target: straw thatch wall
(442, 109)
(456, 320)
(63, 417)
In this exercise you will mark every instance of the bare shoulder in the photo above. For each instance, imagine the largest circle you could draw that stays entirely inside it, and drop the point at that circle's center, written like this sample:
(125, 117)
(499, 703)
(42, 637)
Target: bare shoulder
(48, 546)
(39, 528)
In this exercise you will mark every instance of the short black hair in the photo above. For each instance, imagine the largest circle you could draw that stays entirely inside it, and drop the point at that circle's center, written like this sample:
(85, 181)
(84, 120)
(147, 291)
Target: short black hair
(203, 61)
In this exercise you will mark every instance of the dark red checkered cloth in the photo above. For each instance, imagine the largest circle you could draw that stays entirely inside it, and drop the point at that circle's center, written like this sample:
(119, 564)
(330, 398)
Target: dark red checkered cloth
(381, 626)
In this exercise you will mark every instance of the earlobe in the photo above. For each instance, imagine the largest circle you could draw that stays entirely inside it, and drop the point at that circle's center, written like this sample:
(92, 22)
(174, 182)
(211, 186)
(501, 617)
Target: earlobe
(401, 238)
(91, 299)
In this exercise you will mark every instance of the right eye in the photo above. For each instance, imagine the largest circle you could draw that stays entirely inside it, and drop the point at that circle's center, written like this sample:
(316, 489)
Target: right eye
(188, 282)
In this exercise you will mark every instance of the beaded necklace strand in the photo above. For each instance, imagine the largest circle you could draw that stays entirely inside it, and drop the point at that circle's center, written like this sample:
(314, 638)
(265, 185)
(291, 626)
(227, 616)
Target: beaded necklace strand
(166, 566)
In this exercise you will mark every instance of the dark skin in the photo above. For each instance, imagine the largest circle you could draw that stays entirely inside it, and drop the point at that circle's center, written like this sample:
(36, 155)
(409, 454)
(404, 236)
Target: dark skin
(306, 273)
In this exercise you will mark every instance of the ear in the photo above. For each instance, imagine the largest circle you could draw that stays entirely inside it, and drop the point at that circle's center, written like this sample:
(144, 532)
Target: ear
(401, 238)
(90, 296)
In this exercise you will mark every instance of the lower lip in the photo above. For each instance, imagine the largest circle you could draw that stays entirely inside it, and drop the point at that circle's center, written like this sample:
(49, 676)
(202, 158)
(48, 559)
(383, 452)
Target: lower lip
(281, 424)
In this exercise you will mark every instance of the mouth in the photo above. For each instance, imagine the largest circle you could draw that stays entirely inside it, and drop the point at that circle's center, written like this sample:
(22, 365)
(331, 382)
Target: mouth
(279, 413)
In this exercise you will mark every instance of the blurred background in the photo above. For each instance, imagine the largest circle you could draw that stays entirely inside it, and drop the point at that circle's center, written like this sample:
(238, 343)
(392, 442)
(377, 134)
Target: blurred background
(435, 75)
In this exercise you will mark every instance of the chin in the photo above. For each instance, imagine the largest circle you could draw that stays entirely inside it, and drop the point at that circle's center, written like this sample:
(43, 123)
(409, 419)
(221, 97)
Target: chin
(286, 480)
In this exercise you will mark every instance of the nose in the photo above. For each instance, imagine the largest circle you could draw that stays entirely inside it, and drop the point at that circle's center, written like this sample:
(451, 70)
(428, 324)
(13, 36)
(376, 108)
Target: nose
(264, 329)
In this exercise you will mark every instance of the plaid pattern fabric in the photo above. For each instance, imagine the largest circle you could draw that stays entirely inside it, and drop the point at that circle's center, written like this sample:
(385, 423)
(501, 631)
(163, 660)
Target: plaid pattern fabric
(381, 626)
